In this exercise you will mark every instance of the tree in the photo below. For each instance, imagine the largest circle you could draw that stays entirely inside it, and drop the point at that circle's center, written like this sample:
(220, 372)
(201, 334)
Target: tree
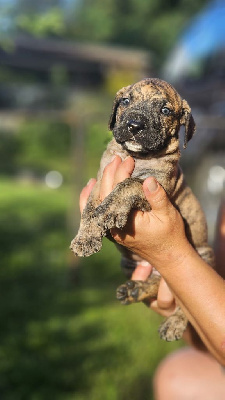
(147, 24)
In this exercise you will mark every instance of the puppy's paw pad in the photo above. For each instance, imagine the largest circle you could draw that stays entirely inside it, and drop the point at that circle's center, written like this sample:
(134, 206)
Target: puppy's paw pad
(128, 292)
(170, 332)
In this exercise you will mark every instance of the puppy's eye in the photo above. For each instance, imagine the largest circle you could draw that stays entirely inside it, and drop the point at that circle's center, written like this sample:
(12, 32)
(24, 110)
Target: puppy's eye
(166, 111)
(125, 101)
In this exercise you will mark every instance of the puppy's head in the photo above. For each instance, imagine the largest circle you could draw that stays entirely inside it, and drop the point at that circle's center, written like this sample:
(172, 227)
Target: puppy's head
(148, 114)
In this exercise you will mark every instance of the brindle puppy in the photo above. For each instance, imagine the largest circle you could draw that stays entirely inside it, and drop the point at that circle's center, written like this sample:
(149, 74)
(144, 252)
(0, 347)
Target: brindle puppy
(145, 120)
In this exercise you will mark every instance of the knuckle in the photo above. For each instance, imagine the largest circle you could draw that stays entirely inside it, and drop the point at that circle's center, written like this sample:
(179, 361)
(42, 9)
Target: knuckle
(164, 304)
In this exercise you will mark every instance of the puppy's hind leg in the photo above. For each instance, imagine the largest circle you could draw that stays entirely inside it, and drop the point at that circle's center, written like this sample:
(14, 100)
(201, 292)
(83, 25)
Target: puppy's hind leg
(136, 291)
(174, 326)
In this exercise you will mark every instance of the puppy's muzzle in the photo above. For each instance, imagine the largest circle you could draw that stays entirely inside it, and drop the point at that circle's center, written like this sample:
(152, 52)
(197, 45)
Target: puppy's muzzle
(133, 131)
(135, 127)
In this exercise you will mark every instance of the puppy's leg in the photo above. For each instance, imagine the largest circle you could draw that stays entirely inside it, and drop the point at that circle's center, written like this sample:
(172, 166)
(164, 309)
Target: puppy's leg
(113, 212)
(174, 326)
(135, 291)
(89, 237)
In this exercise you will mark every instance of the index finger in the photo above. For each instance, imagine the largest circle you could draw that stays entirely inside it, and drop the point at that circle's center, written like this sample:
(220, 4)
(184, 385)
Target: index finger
(85, 193)
(114, 173)
(106, 185)
(124, 170)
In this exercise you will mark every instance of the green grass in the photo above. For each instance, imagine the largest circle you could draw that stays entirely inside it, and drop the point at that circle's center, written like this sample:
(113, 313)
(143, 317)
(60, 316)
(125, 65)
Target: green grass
(63, 335)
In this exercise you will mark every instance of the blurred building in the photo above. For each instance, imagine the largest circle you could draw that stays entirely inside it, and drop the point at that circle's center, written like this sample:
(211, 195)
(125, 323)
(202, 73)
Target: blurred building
(73, 65)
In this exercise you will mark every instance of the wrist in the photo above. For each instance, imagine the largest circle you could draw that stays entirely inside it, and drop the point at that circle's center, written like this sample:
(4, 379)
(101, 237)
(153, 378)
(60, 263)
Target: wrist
(169, 258)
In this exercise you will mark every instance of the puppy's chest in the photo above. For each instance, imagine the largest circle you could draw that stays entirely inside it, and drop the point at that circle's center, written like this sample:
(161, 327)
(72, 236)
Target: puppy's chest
(145, 168)
(162, 168)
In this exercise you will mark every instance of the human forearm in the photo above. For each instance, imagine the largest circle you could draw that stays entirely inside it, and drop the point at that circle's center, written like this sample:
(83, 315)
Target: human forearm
(159, 238)
(200, 291)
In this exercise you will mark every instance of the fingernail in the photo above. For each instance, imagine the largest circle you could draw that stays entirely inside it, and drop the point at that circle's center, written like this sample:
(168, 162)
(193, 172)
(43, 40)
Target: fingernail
(144, 263)
(152, 185)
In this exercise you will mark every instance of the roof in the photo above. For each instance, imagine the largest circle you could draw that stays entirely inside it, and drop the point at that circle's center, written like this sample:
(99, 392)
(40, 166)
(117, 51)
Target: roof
(40, 54)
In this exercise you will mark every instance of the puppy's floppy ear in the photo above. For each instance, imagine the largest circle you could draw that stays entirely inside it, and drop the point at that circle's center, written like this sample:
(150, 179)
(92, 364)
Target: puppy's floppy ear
(188, 121)
(116, 102)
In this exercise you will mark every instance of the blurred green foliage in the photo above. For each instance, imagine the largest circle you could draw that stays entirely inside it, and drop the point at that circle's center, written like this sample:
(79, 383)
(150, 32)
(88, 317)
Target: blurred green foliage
(146, 24)
(49, 23)
(44, 145)
(151, 25)
(59, 338)
(9, 149)
(38, 145)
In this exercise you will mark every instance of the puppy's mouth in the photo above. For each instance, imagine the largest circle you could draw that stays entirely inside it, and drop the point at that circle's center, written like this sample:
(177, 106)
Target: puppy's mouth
(133, 146)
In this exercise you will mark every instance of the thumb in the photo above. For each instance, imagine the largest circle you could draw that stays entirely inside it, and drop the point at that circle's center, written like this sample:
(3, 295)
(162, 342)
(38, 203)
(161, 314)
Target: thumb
(156, 195)
(142, 271)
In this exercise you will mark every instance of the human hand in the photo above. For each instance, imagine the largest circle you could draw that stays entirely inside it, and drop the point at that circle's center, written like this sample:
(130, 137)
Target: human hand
(114, 173)
(157, 236)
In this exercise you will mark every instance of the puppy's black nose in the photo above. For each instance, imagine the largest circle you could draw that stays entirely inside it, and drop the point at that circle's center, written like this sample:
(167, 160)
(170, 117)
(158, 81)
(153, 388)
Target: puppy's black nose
(135, 126)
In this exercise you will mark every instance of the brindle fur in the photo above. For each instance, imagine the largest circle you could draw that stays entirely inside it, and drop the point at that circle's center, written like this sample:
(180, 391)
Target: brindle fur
(142, 130)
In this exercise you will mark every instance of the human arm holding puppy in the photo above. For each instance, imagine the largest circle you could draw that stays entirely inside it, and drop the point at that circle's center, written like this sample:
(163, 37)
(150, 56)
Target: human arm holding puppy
(159, 237)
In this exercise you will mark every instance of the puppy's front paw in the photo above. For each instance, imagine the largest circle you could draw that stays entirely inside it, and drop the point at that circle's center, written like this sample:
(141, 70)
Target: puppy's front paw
(85, 246)
(111, 218)
(172, 329)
